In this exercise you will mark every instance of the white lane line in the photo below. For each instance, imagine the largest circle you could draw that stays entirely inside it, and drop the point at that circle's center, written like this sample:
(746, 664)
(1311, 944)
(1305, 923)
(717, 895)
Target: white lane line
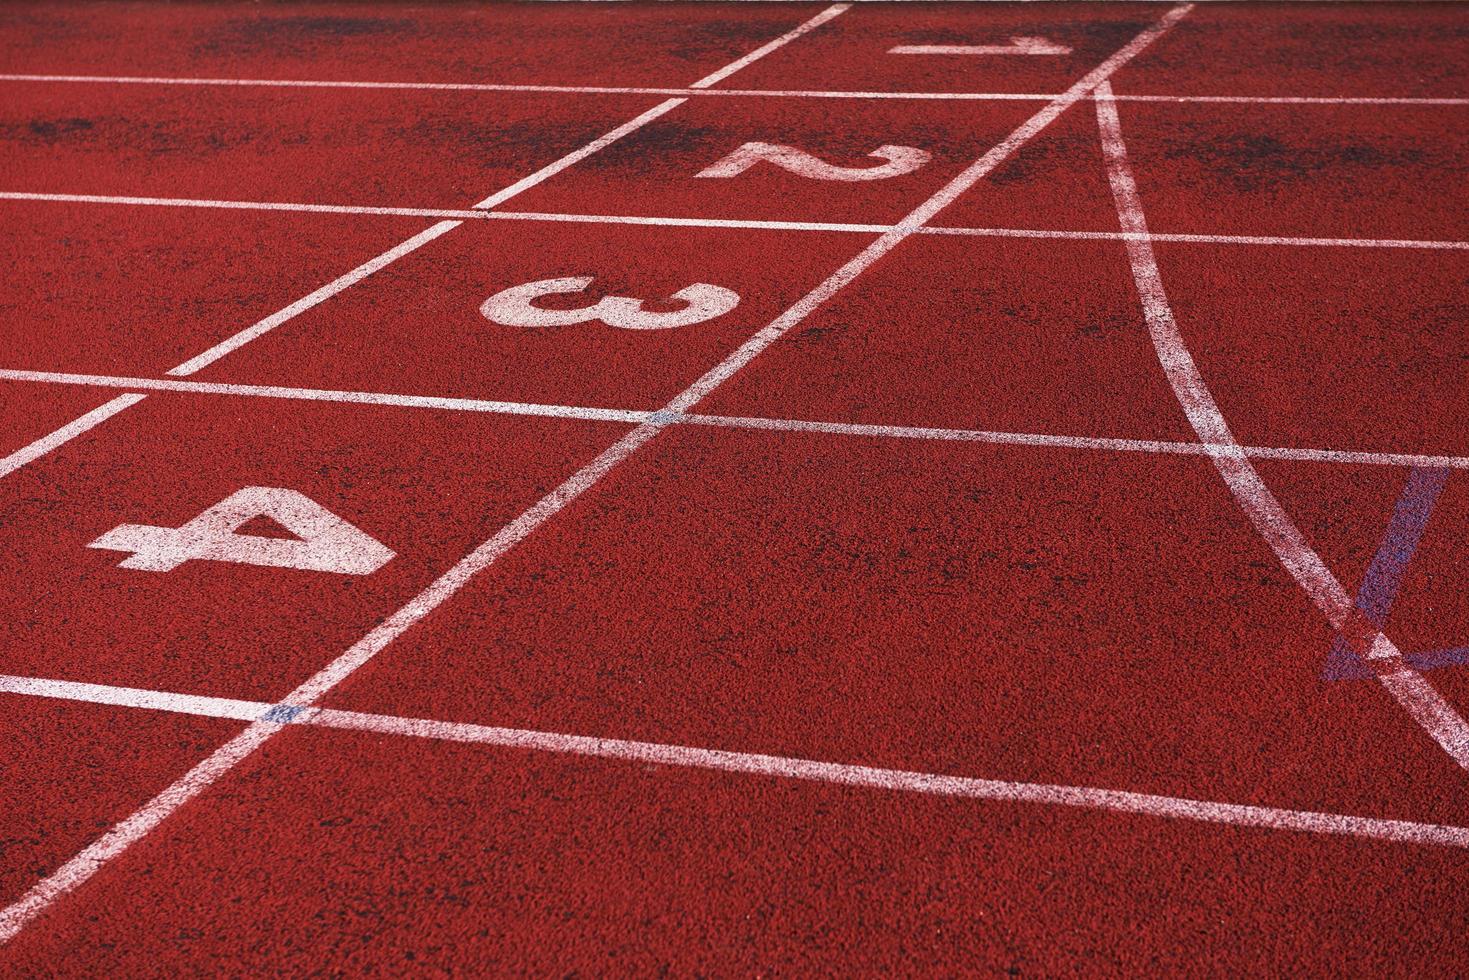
(133, 697)
(1411, 689)
(47, 443)
(755, 764)
(77, 870)
(324, 395)
(575, 157)
(1017, 46)
(633, 416)
(89, 860)
(458, 214)
(1044, 440)
(262, 327)
(745, 223)
(739, 93)
(1297, 99)
(1187, 237)
(710, 80)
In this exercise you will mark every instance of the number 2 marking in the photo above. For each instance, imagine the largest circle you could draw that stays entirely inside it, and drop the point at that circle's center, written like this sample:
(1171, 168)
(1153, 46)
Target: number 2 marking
(324, 542)
(900, 160)
(514, 307)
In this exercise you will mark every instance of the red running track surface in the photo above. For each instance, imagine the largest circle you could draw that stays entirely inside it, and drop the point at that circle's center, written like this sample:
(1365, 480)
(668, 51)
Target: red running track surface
(892, 619)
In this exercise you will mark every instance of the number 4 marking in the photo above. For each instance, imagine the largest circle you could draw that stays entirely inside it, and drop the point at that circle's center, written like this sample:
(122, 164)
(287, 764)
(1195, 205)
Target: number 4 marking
(324, 542)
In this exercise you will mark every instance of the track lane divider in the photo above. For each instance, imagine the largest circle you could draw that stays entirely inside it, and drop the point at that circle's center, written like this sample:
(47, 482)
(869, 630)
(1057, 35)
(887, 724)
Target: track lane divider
(756, 764)
(755, 224)
(738, 93)
(636, 416)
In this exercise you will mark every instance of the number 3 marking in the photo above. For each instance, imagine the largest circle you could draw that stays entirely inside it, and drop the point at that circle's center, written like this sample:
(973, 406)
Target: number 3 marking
(900, 160)
(324, 542)
(515, 306)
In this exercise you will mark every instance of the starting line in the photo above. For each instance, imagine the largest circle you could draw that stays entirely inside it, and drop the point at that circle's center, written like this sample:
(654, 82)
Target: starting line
(663, 417)
(755, 224)
(738, 93)
(810, 770)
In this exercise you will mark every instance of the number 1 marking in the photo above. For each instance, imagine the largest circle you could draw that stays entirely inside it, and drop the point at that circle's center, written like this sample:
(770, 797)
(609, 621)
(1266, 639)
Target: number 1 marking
(1017, 45)
(324, 542)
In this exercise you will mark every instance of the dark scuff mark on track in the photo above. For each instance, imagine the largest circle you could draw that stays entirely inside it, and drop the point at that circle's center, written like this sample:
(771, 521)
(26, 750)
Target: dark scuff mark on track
(46, 132)
(651, 148)
(484, 138)
(1260, 161)
(1045, 158)
(112, 133)
(297, 35)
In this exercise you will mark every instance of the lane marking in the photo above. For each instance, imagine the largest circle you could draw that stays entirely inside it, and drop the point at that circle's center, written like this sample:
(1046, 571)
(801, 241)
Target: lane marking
(46, 443)
(322, 542)
(714, 78)
(633, 416)
(755, 764)
(262, 327)
(600, 143)
(1421, 700)
(1017, 45)
(748, 223)
(737, 93)
(68, 432)
(1384, 577)
(117, 839)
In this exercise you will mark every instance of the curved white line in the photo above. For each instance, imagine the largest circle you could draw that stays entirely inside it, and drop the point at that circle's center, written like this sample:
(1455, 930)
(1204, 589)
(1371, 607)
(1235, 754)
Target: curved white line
(1411, 689)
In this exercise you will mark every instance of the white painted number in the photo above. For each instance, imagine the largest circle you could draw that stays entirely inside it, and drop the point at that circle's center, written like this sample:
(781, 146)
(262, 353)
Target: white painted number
(900, 160)
(515, 307)
(324, 542)
(1017, 45)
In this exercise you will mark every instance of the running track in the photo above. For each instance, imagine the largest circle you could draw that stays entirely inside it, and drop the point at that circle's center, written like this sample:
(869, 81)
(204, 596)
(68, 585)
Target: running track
(721, 488)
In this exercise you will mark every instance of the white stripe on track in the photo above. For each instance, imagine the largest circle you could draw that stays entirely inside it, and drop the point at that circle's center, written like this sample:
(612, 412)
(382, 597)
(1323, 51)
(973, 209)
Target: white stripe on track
(755, 764)
(729, 92)
(552, 169)
(632, 416)
(1410, 688)
(759, 224)
(27, 454)
(262, 327)
(74, 872)
(714, 78)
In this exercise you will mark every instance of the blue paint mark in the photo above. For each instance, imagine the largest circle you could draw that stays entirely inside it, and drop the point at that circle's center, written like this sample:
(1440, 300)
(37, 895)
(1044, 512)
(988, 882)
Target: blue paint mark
(1437, 658)
(1385, 575)
(282, 714)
